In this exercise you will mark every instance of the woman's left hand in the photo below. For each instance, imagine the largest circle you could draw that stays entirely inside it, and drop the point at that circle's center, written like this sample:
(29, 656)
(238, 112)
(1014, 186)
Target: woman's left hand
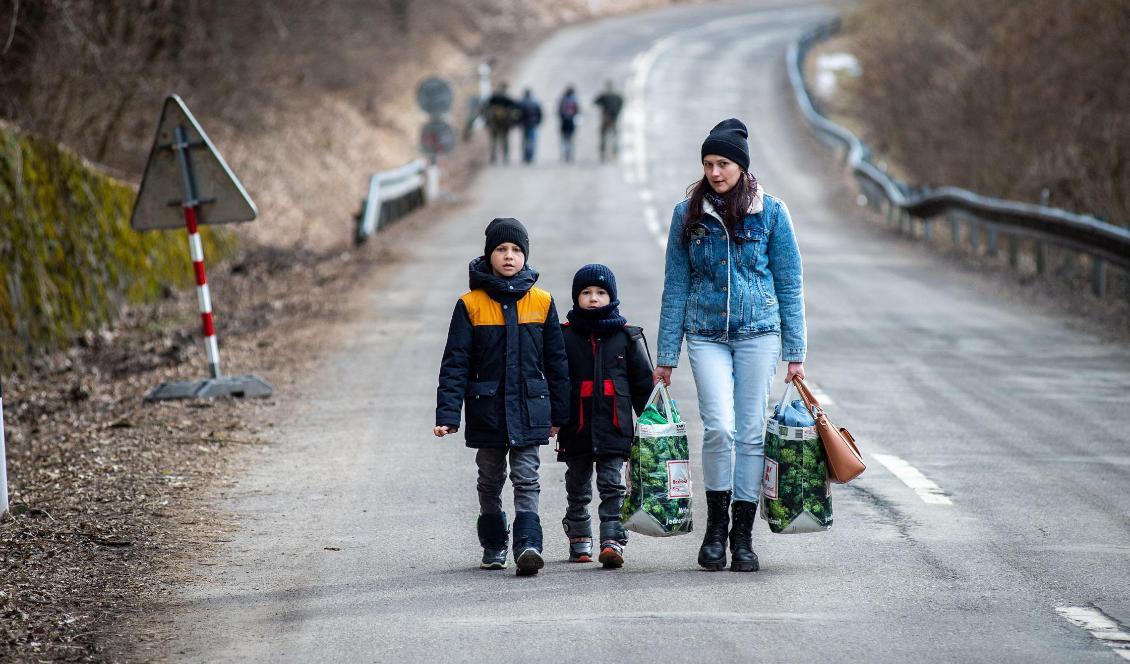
(795, 369)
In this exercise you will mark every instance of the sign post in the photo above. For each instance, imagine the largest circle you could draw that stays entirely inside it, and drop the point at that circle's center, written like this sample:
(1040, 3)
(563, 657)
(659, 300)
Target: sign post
(178, 183)
(437, 138)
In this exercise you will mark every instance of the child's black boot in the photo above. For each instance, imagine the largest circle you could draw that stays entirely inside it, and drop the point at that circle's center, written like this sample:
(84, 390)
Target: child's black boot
(712, 553)
(613, 537)
(580, 540)
(527, 543)
(493, 536)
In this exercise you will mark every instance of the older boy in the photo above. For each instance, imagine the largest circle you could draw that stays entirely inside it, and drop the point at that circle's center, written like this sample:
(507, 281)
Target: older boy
(505, 359)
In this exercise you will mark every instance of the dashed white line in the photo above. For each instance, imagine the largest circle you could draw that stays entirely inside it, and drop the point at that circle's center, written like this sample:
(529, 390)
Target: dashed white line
(1101, 626)
(926, 489)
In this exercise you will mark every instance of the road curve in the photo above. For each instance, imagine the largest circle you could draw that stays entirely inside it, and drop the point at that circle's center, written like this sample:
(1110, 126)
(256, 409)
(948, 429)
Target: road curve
(357, 539)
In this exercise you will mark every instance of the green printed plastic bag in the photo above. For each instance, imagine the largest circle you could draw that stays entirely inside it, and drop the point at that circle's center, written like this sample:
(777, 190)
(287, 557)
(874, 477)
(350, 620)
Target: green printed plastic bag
(659, 471)
(795, 494)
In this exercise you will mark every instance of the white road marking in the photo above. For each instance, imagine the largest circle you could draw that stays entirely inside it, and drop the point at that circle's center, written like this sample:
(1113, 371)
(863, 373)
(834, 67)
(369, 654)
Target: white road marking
(1099, 625)
(652, 218)
(635, 116)
(926, 489)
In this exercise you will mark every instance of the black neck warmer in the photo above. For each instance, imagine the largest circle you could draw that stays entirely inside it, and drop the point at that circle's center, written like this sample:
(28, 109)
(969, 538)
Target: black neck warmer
(596, 321)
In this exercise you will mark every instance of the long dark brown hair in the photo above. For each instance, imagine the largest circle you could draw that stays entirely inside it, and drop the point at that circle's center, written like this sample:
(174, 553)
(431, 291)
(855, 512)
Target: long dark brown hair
(735, 203)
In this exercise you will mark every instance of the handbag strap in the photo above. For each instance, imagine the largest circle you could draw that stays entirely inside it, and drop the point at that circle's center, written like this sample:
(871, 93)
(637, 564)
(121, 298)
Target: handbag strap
(806, 395)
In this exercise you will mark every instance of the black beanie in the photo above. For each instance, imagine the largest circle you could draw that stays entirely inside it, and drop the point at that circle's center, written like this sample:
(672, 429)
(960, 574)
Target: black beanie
(594, 274)
(507, 230)
(728, 139)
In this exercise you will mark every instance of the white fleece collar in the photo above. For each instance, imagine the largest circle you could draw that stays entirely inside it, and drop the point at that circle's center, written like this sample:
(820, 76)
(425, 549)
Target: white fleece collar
(755, 206)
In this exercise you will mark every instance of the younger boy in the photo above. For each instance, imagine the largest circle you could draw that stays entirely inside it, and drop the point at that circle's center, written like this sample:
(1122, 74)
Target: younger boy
(505, 359)
(610, 372)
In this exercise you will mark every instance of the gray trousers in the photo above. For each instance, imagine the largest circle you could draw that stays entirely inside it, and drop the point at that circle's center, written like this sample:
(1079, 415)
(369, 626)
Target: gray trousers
(610, 486)
(524, 462)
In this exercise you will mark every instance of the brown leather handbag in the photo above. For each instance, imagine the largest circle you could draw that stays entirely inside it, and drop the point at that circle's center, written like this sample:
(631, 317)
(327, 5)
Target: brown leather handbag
(845, 463)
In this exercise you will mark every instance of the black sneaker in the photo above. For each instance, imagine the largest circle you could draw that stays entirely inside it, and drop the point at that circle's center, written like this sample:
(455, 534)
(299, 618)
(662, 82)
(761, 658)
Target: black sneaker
(529, 562)
(494, 559)
(611, 554)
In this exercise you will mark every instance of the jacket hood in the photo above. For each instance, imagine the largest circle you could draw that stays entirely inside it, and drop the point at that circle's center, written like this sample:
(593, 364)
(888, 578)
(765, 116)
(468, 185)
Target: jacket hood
(480, 275)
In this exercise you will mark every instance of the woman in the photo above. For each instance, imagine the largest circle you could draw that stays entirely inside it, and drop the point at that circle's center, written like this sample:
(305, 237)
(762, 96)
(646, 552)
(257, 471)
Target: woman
(732, 285)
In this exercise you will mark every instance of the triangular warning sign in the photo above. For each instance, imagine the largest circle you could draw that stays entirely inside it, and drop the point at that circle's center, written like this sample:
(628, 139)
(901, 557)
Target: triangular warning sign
(222, 198)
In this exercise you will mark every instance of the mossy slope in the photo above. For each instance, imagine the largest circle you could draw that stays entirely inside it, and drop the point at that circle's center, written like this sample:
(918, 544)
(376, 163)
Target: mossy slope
(68, 257)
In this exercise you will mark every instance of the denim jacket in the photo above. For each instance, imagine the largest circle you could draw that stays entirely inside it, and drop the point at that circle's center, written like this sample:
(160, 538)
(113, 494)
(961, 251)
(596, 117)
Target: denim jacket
(733, 288)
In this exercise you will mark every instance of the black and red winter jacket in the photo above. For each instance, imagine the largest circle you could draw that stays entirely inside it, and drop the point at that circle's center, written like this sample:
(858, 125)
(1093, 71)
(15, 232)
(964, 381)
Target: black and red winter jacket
(610, 376)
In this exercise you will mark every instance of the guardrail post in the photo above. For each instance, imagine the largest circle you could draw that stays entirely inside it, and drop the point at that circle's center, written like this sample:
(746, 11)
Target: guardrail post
(1013, 251)
(927, 230)
(431, 189)
(3, 460)
(992, 241)
(1041, 257)
(1098, 275)
(974, 237)
(955, 229)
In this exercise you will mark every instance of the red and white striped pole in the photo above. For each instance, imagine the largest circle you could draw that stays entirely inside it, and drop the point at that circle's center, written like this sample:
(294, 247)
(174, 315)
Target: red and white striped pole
(196, 249)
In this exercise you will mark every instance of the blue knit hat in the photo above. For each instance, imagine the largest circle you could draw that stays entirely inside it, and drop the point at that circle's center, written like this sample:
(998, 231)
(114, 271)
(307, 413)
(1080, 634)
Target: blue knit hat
(594, 274)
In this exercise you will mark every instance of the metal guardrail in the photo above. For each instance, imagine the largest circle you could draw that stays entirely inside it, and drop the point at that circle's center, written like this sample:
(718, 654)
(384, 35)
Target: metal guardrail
(1102, 241)
(392, 194)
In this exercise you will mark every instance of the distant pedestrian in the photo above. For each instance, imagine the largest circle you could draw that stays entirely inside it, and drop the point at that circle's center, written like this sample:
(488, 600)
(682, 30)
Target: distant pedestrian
(502, 113)
(531, 118)
(568, 113)
(610, 103)
(505, 360)
(733, 286)
(610, 375)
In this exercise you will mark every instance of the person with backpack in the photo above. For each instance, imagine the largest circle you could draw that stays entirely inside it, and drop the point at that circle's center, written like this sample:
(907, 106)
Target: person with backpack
(568, 110)
(501, 114)
(610, 376)
(531, 118)
(610, 103)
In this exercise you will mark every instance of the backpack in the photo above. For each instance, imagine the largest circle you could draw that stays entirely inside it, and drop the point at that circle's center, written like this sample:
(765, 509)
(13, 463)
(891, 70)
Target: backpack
(635, 336)
(569, 108)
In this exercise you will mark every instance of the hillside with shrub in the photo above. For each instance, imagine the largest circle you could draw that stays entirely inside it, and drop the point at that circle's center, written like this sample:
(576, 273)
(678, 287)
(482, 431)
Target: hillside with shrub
(1020, 100)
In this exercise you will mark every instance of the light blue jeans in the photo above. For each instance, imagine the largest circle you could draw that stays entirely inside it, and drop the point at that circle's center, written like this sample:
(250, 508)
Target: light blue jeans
(733, 380)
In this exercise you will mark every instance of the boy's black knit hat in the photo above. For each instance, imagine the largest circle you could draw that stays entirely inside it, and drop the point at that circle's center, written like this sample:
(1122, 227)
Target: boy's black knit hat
(506, 229)
(728, 139)
(594, 274)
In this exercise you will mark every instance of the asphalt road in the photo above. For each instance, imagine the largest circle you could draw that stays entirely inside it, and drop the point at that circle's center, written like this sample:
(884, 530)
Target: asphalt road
(1017, 419)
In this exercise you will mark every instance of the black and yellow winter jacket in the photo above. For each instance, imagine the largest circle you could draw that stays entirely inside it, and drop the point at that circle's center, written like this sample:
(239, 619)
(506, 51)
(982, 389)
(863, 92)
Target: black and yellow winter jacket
(505, 359)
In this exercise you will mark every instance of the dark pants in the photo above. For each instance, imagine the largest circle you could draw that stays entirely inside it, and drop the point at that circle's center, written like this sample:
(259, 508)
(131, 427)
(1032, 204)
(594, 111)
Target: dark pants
(499, 142)
(567, 145)
(524, 462)
(529, 144)
(609, 140)
(610, 486)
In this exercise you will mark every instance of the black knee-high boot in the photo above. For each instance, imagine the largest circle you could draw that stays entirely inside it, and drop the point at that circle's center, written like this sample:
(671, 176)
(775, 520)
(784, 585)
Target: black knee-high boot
(742, 557)
(712, 553)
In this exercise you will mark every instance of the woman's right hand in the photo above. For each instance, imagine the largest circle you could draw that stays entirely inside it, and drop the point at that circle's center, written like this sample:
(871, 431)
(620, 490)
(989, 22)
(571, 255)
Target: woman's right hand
(661, 374)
